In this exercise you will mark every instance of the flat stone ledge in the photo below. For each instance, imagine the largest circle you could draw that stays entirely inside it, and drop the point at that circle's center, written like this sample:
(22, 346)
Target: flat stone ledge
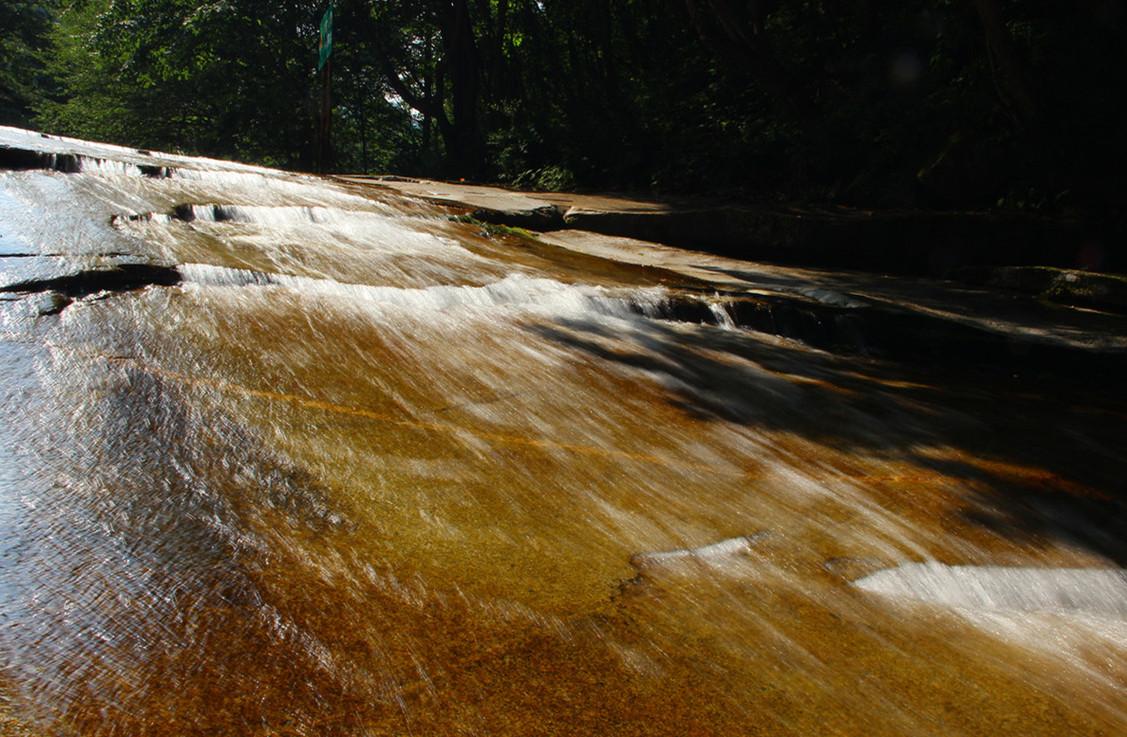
(892, 241)
(1068, 286)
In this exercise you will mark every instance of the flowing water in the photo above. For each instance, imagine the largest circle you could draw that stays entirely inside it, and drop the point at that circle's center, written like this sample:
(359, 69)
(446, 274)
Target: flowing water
(348, 467)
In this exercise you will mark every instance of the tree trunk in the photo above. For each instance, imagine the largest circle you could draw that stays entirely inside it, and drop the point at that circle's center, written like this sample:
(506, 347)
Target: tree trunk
(428, 94)
(1005, 65)
(465, 147)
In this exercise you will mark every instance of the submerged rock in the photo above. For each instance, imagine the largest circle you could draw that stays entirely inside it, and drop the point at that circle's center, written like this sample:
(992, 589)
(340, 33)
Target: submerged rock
(51, 303)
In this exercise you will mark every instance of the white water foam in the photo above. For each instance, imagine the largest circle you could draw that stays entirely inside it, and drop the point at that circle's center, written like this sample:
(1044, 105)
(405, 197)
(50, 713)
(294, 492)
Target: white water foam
(108, 160)
(516, 290)
(716, 554)
(107, 167)
(372, 234)
(1077, 616)
(1093, 592)
(723, 317)
(282, 217)
(282, 188)
(32, 140)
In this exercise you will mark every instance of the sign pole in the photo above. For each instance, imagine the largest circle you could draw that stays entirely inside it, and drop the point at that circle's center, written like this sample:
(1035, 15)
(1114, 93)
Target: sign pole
(325, 66)
(327, 117)
(321, 127)
(363, 130)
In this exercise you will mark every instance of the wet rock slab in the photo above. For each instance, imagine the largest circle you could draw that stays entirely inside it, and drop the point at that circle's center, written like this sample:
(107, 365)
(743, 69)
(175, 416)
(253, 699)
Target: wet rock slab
(280, 500)
(894, 317)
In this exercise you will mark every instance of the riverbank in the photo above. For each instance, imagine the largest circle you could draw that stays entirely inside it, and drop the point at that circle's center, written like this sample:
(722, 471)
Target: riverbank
(942, 244)
(1010, 319)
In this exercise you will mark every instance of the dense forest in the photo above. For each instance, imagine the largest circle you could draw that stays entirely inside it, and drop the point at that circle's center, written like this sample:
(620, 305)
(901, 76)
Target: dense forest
(938, 103)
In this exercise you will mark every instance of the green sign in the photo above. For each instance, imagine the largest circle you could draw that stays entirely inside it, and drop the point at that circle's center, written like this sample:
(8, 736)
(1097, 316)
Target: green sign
(326, 47)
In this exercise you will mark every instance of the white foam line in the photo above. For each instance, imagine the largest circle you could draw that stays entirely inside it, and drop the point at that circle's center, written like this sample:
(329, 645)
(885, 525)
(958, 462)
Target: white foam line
(713, 554)
(514, 290)
(21, 138)
(286, 216)
(1084, 591)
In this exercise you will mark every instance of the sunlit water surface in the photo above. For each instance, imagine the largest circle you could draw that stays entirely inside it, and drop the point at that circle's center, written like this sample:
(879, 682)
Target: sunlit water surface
(367, 471)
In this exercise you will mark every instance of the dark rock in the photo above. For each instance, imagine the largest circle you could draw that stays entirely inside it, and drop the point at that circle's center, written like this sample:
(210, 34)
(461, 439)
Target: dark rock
(52, 303)
(216, 213)
(908, 335)
(896, 241)
(548, 217)
(136, 217)
(685, 308)
(1067, 286)
(153, 171)
(184, 212)
(883, 330)
(18, 159)
(116, 278)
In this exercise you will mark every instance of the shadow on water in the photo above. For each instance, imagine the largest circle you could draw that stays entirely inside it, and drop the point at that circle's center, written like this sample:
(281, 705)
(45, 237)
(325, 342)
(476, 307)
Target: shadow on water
(1042, 458)
(920, 295)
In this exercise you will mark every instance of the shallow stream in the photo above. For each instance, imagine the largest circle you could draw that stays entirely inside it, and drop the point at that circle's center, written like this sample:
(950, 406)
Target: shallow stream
(349, 467)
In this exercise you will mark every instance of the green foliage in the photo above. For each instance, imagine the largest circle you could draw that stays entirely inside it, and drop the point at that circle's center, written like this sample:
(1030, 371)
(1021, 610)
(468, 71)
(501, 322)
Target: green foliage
(23, 81)
(919, 102)
(546, 179)
(496, 230)
(222, 78)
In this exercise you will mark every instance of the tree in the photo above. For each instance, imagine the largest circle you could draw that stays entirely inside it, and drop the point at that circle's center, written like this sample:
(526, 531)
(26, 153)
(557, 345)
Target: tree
(23, 81)
(429, 55)
(1007, 69)
(206, 77)
(927, 102)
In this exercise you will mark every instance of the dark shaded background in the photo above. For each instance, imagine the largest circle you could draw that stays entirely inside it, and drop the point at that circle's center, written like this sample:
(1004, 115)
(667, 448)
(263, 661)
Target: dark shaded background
(1012, 104)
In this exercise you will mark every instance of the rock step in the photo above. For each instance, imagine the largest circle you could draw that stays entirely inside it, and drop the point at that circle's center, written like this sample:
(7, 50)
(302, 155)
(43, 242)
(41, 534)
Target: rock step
(1066, 286)
(885, 331)
(21, 159)
(924, 242)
